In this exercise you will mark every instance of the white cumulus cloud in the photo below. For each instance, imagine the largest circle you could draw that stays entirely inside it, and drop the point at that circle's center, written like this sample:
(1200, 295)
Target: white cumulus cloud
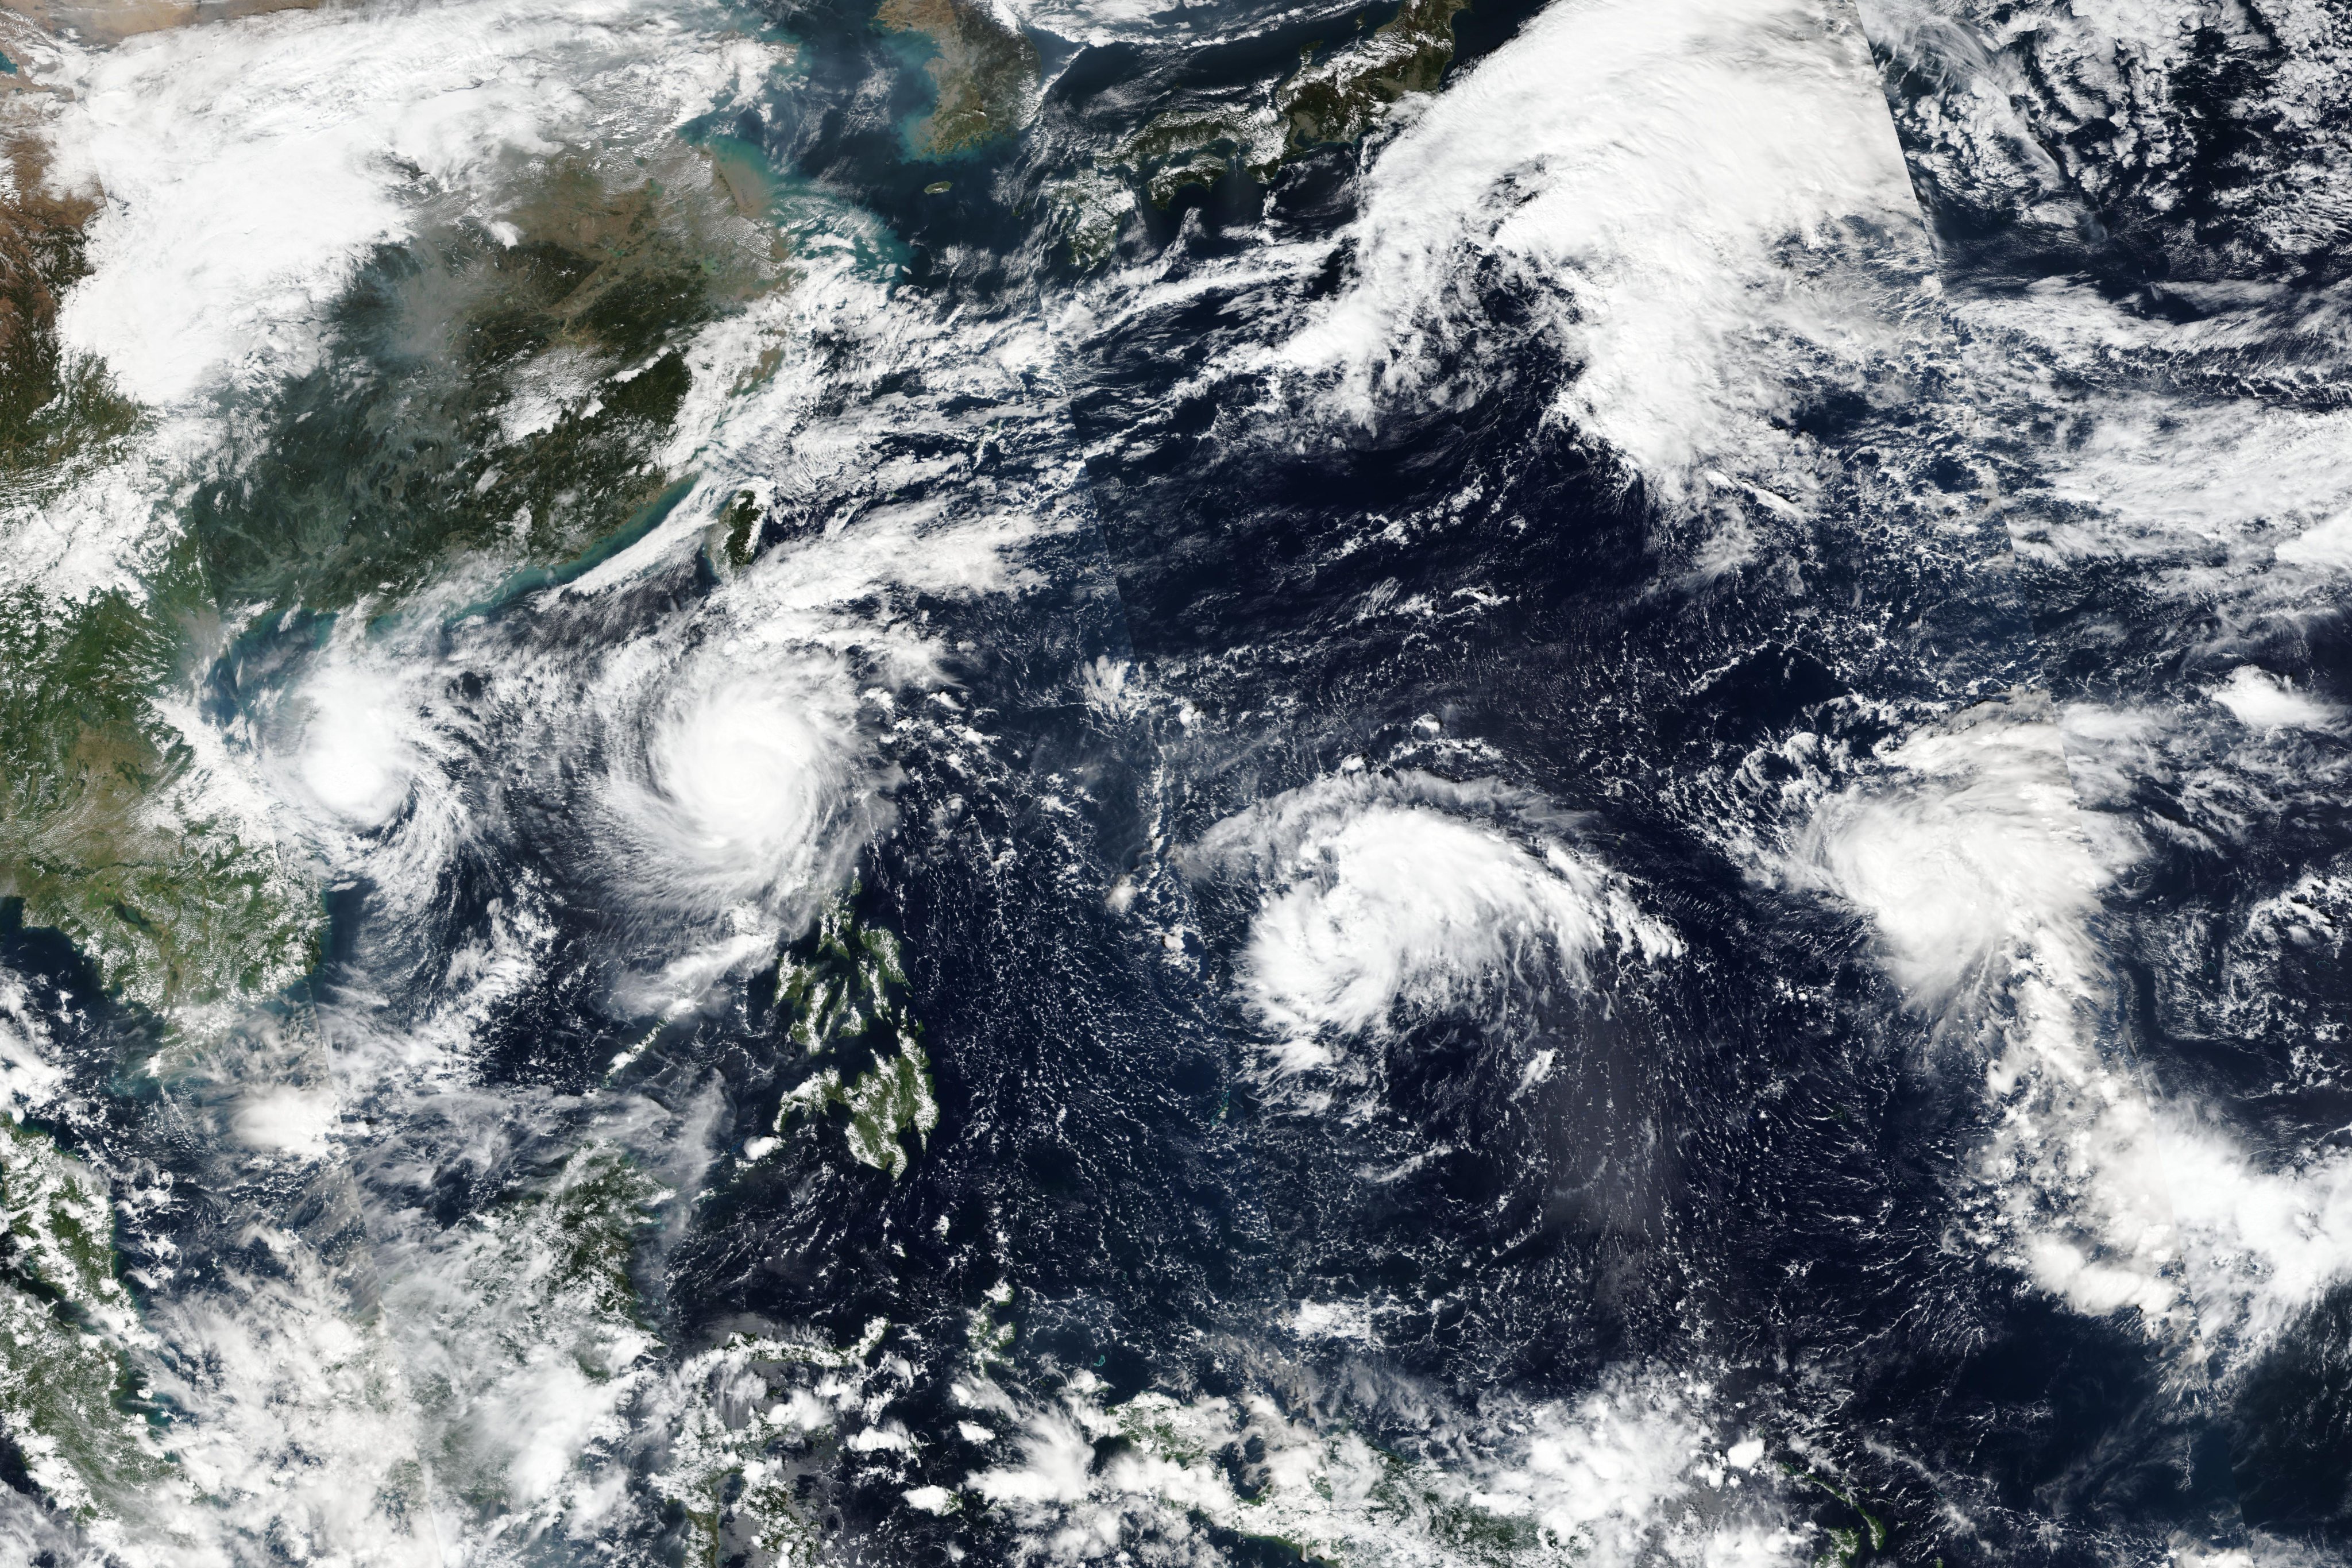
(1378, 894)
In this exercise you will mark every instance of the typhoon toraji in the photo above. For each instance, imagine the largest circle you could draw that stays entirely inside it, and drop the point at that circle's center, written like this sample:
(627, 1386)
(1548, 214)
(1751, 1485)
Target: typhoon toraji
(1467, 783)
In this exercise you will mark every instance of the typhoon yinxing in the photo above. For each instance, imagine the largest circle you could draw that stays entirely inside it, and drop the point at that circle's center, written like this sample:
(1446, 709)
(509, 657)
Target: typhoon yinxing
(1164, 783)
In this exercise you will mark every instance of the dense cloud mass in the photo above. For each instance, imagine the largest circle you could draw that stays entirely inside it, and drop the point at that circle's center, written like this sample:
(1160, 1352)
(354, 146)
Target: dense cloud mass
(1439, 784)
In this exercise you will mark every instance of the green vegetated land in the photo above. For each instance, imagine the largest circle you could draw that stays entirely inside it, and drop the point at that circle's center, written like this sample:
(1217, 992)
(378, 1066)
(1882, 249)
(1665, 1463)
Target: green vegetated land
(511, 398)
(841, 991)
(985, 74)
(65, 1385)
(104, 834)
(503, 398)
(1332, 100)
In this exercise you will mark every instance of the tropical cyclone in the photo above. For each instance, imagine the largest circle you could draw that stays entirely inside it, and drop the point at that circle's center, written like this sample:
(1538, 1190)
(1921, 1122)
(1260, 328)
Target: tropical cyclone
(1432, 784)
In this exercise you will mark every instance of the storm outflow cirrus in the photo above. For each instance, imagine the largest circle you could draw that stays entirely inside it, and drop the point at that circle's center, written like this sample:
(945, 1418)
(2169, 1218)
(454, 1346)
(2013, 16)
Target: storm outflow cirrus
(1050, 782)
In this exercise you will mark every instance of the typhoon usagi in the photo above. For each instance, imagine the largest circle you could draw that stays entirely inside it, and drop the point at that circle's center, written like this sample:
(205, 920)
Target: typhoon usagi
(1102, 782)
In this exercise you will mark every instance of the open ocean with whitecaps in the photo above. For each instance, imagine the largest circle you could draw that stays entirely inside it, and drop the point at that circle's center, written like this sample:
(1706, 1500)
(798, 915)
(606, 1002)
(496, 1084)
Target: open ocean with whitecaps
(1460, 785)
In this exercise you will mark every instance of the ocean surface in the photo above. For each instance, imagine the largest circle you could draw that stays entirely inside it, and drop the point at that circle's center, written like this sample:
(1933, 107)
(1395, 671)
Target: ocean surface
(1016, 781)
